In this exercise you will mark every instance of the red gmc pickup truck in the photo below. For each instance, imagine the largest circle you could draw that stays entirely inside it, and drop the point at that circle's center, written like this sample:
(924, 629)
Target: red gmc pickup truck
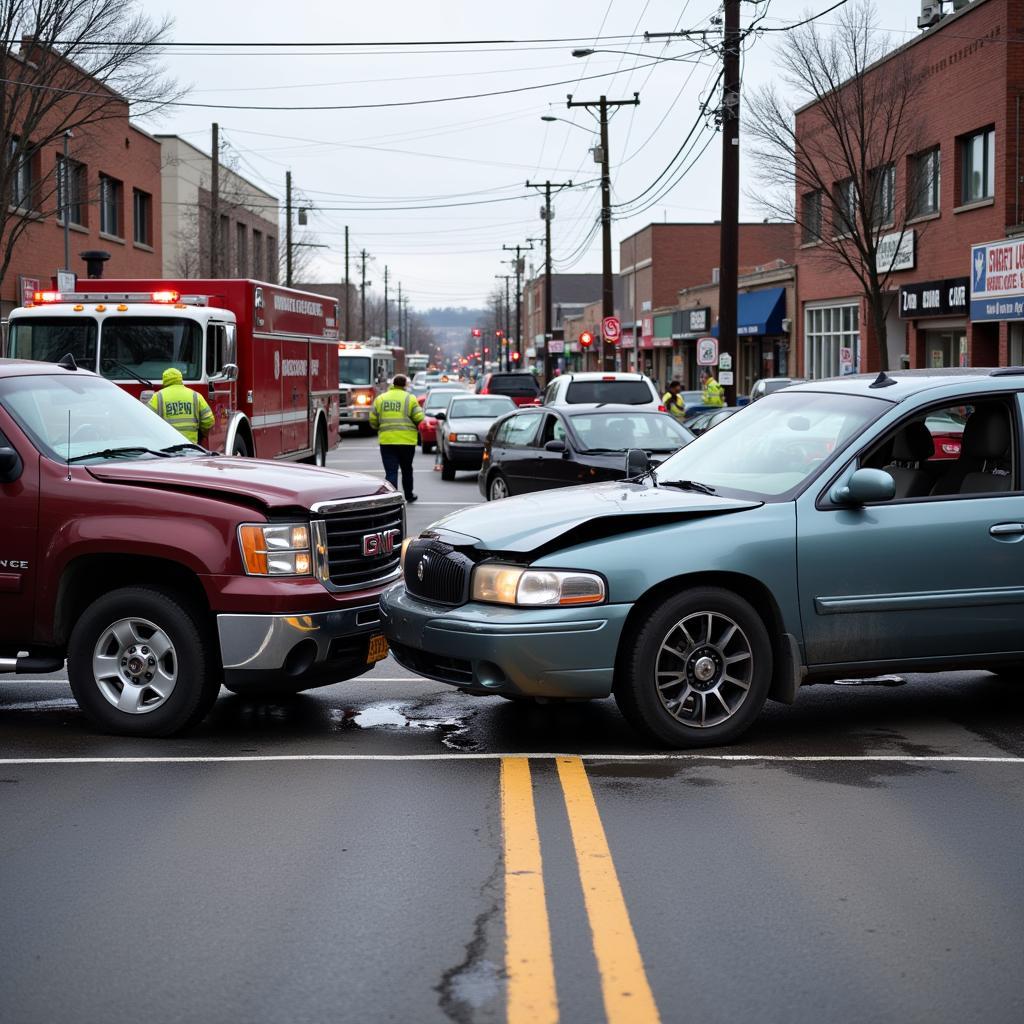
(160, 571)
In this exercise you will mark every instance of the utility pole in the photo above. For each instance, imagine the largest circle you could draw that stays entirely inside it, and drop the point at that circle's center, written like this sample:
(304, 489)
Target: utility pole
(362, 300)
(348, 294)
(548, 214)
(387, 340)
(288, 228)
(728, 272)
(607, 284)
(518, 250)
(401, 342)
(214, 202)
(506, 331)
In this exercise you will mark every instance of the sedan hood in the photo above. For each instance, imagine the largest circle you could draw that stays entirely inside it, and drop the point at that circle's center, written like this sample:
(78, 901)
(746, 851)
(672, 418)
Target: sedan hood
(553, 519)
(253, 482)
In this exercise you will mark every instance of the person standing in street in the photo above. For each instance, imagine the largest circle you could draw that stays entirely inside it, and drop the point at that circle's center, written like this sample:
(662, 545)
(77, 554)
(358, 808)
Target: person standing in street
(186, 410)
(395, 416)
(673, 400)
(714, 393)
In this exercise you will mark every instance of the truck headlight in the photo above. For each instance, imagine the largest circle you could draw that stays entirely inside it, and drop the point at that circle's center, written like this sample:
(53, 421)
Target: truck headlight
(510, 584)
(276, 549)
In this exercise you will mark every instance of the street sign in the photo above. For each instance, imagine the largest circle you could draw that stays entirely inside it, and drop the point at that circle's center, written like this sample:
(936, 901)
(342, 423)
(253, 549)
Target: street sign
(611, 328)
(707, 351)
(725, 362)
(66, 281)
(725, 378)
(28, 287)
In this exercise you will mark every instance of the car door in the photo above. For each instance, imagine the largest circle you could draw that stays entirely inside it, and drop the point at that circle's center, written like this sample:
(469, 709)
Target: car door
(553, 469)
(938, 576)
(519, 454)
(19, 503)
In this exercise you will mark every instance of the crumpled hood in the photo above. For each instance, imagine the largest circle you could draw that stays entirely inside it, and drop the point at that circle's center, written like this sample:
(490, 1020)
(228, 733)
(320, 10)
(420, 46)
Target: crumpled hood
(258, 482)
(540, 520)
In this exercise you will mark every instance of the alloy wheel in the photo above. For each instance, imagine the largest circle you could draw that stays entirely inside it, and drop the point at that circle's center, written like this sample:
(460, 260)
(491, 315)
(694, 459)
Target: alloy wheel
(135, 665)
(499, 489)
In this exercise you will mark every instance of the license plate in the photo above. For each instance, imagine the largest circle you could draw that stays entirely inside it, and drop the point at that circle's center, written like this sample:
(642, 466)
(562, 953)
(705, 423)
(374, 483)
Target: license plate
(378, 649)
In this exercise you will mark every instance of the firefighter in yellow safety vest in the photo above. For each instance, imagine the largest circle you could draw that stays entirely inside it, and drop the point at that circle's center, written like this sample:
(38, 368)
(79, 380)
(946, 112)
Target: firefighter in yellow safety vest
(714, 393)
(396, 416)
(186, 410)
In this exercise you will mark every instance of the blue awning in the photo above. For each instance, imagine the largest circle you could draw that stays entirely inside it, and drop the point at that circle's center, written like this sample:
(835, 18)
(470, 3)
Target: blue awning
(759, 312)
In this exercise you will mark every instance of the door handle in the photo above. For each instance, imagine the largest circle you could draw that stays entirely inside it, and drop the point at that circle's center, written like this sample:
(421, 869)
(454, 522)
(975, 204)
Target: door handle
(1006, 529)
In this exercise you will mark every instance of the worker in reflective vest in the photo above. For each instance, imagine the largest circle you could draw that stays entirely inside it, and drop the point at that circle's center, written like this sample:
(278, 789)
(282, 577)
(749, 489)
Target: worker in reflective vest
(395, 416)
(714, 393)
(186, 410)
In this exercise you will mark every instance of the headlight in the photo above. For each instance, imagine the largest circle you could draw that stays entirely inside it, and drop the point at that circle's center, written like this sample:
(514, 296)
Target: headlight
(278, 549)
(509, 584)
(463, 437)
(362, 399)
(405, 548)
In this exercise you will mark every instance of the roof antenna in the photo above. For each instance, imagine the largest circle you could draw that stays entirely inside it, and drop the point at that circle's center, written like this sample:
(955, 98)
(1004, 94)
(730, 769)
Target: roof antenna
(883, 380)
(67, 362)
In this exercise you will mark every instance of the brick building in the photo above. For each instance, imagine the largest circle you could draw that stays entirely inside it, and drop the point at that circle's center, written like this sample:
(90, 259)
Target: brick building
(569, 294)
(249, 218)
(959, 186)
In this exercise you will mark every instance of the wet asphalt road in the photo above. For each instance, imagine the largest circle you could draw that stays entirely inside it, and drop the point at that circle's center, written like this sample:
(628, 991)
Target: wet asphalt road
(365, 853)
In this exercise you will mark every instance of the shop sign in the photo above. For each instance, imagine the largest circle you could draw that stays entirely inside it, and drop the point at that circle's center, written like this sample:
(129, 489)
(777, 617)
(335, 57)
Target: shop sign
(691, 323)
(725, 378)
(934, 298)
(28, 286)
(556, 347)
(997, 280)
(647, 332)
(896, 252)
(707, 351)
(662, 342)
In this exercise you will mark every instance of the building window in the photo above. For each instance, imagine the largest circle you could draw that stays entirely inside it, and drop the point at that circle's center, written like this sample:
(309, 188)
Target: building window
(925, 182)
(241, 251)
(110, 206)
(142, 210)
(844, 207)
(831, 340)
(257, 254)
(21, 176)
(978, 166)
(812, 216)
(71, 191)
(883, 188)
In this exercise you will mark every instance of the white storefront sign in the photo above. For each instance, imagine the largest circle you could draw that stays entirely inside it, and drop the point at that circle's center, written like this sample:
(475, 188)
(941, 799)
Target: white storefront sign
(896, 252)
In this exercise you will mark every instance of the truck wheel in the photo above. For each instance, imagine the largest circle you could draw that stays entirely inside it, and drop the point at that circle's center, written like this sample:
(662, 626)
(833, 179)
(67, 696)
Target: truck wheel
(319, 456)
(696, 673)
(241, 447)
(140, 663)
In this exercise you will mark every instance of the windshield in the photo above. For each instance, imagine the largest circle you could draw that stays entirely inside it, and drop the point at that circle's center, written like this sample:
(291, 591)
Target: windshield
(102, 417)
(437, 400)
(620, 431)
(149, 345)
(50, 338)
(772, 447)
(354, 370)
(621, 392)
(518, 384)
(480, 408)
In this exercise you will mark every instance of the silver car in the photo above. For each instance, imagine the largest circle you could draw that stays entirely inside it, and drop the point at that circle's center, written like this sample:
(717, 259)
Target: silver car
(462, 430)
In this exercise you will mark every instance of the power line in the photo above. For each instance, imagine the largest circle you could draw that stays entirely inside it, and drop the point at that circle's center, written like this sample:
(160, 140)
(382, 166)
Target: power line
(805, 21)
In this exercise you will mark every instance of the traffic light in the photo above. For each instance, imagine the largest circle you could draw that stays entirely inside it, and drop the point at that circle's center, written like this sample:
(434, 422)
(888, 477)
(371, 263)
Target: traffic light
(487, 351)
(515, 357)
(586, 339)
(499, 333)
(477, 332)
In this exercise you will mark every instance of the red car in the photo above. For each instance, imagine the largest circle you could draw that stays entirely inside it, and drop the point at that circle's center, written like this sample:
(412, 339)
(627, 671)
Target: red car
(947, 430)
(521, 387)
(435, 401)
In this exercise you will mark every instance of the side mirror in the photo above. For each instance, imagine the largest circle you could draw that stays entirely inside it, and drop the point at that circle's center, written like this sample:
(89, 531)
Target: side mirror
(636, 462)
(230, 353)
(10, 465)
(555, 446)
(228, 372)
(440, 417)
(864, 486)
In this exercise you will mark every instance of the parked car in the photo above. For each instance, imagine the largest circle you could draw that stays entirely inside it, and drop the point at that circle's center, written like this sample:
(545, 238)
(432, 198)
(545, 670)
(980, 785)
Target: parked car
(520, 386)
(588, 388)
(947, 430)
(159, 571)
(462, 428)
(769, 385)
(572, 444)
(706, 420)
(435, 401)
(811, 538)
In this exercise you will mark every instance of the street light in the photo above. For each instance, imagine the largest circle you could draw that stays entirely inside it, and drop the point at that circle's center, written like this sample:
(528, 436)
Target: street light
(572, 124)
(634, 53)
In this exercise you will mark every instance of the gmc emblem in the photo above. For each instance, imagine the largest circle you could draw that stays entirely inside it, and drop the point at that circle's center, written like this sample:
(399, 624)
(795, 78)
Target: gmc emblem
(375, 545)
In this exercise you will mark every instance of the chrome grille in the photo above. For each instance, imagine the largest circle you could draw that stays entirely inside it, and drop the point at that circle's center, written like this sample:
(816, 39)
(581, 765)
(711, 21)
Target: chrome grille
(435, 571)
(339, 534)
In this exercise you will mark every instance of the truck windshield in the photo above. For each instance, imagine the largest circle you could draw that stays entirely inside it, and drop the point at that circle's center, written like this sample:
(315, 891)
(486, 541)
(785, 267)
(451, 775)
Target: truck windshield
(354, 370)
(83, 418)
(149, 345)
(50, 338)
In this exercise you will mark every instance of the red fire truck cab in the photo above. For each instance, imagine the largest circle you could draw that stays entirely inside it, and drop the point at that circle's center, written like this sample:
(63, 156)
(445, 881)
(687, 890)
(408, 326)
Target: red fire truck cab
(265, 357)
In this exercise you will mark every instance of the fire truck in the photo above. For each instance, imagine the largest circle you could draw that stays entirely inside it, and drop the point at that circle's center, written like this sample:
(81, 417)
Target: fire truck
(265, 357)
(364, 371)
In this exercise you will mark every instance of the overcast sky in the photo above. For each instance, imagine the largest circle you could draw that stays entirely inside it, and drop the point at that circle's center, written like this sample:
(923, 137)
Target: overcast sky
(473, 150)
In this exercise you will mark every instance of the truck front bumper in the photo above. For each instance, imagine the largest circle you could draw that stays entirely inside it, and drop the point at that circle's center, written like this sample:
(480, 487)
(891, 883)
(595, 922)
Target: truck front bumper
(314, 650)
(355, 414)
(481, 648)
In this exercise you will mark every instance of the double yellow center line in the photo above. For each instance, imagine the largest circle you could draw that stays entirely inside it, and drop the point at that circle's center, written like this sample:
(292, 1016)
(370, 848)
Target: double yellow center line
(532, 991)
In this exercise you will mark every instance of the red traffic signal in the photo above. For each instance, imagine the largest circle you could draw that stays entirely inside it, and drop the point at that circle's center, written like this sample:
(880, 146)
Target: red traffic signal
(515, 357)
(586, 339)
(487, 351)
(477, 332)
(499, 333)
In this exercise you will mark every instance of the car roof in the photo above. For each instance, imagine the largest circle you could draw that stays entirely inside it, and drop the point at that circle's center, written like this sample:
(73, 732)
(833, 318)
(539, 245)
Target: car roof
(592, 375)
(35, 368)
(581, 408)
(910, 382)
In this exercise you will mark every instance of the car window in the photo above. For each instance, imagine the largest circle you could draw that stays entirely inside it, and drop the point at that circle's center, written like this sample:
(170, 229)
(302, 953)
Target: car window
(617, 392)
(554, 429)
(620, 431)
(521, 430)
(438, 398)
(550, 391)
(518, 384)
(479, 408)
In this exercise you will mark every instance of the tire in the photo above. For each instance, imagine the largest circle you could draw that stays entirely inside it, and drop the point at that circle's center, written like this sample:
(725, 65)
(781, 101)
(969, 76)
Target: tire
(124, 633)
(365, 430)
(241, 447)
(497, 488)
(702, 700)
(319, 456)
(427, 447)
(447, 469)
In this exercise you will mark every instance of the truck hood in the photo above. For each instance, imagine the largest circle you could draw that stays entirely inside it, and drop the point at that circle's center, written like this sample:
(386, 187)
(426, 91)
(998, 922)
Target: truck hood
(253, 482)
(548, 520)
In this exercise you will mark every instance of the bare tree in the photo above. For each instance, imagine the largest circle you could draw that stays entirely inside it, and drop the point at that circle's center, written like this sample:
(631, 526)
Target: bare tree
(857, 126)
(78, 63)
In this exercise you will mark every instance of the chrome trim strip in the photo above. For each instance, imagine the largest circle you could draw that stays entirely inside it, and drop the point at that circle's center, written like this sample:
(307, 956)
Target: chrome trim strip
(923, 601)
(326, 508)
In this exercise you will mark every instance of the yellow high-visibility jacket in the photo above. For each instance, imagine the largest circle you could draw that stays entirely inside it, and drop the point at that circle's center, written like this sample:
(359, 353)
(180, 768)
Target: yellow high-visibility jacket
(186, 410)
(395, 415)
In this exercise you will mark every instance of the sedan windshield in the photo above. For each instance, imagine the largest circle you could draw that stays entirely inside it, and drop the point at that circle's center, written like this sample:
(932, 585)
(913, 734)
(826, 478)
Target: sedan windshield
(85, 419)
(620, 431)
(771, 448)
(480, 408)
(438, 399)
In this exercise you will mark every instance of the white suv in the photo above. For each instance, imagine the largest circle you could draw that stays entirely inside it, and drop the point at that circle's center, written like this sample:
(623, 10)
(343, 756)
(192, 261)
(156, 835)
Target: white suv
(605, 388)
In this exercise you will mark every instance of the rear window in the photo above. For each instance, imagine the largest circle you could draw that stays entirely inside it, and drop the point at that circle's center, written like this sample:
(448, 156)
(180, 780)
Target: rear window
(513, 384)
(619, 392)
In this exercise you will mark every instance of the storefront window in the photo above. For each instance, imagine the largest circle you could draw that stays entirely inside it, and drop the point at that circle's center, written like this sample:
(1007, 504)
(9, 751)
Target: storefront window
(831, 340)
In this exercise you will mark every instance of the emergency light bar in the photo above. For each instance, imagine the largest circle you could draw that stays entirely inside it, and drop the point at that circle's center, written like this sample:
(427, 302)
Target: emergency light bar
(167, 297)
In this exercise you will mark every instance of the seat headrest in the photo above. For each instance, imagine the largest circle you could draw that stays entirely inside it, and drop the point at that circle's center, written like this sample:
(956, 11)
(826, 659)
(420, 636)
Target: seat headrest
(986, 434)
(913, 443)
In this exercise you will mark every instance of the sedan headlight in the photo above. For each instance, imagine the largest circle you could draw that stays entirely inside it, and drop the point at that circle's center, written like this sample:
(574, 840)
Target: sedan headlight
(463, 437)
(405, 548)
(510, 584)
(276, 549)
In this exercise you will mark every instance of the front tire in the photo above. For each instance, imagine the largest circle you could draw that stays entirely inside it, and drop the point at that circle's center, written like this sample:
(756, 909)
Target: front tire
(497, 488)
(140, 663)
(447, 469)
(319, 456)
(696, 672)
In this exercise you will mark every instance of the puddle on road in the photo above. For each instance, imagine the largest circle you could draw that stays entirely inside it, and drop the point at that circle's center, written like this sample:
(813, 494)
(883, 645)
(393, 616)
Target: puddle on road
(871, 681)
(454, 731)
